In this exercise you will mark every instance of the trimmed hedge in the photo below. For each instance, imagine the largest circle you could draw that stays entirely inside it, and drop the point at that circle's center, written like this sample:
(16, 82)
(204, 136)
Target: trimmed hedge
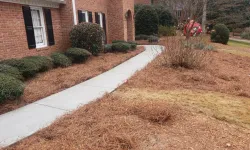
(27, 67)
(78, 55)
(220, 34)
(87, 36)
(120, 47)
(11, 71)
(108, 48)
(141, 37)
(42, 62)
(146, 21)
(153, 39)
(10, 87)
(60, 60)
(133, 45)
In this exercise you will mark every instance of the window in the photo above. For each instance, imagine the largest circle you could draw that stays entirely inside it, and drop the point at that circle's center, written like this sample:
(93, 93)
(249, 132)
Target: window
(178, 13)
(85, 16)
(39, 27)
(100, 19)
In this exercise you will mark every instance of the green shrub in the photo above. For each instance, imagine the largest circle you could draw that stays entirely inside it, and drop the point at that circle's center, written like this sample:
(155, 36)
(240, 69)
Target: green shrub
(141, 37)
(120, 47)
(108, 48)
(43, 63)
(60, 60)
(146, 21)
(11, 71)
(167, 31)
(153, 39)
(166, 18)
(87, 36)
(209, 48)
(220, 34)
(138, 7)
(78, 55)
(27, 67)
(199, 45)
(133, 45)
(10, 87)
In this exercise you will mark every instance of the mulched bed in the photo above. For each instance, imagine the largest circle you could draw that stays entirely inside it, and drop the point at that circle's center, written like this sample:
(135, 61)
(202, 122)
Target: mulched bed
(118, 122)
(58, 79)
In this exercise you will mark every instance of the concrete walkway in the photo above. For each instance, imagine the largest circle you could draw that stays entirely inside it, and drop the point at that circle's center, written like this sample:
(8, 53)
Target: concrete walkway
(27, 120)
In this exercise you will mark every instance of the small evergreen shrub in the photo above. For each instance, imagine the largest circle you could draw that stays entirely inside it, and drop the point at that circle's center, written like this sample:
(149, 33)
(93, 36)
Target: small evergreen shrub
(120, 47)
(167, 31)
(42, 62)
(153, 39)
(146, 21)
(245, 35)
(133, 45)
(209, 48)
(78, 55)
(199, 45)
(87, 36)
(166, 18)
(27, 67)
(108, 48)
(141, 37)
(60, 60)
(10, 87)
(11, 71)
(220, 34)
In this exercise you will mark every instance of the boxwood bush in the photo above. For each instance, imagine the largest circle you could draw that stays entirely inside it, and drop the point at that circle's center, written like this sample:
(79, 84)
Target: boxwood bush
(141, 37)
(153, 39)
(42, 62)
(146, 21)
(132, 44)
(27, 67)
(11, 71)
(107, 48)
(87, 36)
(120, 47)
(220, 34)
(10, 87)
(60, 60)
(78, 55)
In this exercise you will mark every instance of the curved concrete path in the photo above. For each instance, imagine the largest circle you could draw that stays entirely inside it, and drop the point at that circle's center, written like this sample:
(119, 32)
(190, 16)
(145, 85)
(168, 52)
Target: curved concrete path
(27, 120)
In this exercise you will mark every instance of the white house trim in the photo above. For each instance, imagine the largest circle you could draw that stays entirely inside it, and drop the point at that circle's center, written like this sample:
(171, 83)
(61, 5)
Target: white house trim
(40, 3)
(74, 11)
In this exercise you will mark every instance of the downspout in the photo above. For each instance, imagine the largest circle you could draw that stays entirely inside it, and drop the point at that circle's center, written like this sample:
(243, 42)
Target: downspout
(74, 11)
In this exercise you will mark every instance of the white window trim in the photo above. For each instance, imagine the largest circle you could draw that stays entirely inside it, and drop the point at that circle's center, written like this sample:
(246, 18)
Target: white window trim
(101, 19)
(86, 15)
(43, 25)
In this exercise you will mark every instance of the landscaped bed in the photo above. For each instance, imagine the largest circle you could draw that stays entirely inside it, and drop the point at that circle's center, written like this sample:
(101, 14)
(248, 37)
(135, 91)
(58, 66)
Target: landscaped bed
(162, 107)
(58, 79)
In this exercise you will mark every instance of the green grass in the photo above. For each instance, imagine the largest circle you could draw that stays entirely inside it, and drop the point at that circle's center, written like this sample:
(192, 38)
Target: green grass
(238, 43)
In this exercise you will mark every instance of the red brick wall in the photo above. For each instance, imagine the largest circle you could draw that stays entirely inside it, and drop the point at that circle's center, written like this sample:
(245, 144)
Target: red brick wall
(148, 2)
(13, 41)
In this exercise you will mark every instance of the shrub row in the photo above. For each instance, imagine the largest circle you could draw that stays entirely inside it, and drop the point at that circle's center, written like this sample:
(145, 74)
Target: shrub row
(120, 46)
(12, 71)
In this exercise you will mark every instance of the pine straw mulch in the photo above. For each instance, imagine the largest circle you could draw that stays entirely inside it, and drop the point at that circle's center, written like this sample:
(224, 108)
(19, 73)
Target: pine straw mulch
(124, 120)
(111, 123)
(58, 79)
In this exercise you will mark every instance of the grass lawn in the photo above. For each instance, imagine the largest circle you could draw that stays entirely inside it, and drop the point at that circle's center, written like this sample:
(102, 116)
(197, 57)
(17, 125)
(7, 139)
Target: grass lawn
(58, 79)
(238, 44)
(162, 108)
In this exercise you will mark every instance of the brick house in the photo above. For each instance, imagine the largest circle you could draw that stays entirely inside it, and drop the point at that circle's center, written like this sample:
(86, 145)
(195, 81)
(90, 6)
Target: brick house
(39, 27)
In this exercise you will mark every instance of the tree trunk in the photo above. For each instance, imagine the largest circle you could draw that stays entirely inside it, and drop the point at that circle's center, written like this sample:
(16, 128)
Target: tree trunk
(204, 16)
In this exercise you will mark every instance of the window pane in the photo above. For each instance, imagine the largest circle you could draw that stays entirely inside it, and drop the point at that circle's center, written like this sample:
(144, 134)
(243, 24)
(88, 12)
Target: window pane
(84, 17)
(36, 19)
(38, 35)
